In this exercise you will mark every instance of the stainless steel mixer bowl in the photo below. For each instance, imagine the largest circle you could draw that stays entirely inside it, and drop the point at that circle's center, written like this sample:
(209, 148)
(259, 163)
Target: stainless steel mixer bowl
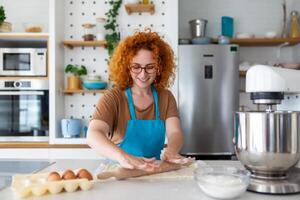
(267, 143)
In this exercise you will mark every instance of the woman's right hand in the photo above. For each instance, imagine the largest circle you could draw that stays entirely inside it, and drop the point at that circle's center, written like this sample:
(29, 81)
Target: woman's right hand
(131, 162)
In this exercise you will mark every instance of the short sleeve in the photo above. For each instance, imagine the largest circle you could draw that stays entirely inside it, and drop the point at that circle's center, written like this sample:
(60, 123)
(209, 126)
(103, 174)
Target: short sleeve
(172, 110)
(106, 109)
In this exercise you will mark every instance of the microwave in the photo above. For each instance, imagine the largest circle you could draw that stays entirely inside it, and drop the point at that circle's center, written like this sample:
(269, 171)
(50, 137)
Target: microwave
(23, 62)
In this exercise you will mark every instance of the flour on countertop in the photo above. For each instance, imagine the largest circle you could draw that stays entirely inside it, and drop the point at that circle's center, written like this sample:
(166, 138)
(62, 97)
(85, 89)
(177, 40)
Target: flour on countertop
(182, 174)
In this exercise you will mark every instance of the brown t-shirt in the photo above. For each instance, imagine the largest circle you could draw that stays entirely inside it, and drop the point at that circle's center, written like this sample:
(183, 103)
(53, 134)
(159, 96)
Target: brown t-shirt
(113, 109)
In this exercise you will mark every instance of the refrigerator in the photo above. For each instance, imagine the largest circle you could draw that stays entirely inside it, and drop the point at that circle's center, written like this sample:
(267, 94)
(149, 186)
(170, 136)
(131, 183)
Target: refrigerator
(208, 96)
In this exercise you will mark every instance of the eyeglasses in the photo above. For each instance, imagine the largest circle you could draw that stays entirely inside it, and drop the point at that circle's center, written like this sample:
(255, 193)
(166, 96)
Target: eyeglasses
(149, 68)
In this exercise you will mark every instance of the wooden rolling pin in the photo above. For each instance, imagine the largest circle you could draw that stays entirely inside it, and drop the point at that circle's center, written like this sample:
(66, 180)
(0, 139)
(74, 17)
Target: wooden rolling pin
(123, 173)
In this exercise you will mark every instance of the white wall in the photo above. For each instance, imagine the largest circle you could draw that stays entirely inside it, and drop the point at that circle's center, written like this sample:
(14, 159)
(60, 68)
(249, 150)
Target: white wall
(251, 16)
(19, 12)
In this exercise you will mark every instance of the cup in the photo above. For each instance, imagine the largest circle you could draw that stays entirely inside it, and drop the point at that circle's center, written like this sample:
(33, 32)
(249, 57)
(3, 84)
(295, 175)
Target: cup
(71, 128)
(227, 26)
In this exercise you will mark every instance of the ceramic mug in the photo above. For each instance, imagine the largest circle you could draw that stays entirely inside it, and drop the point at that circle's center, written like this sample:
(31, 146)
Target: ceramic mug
(71, 128)
(227, 26)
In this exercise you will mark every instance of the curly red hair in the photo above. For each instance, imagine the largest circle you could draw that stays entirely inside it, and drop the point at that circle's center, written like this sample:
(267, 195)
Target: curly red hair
(123, 54)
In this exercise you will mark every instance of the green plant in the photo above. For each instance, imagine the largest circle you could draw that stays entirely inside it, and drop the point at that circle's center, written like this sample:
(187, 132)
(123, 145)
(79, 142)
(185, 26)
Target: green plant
(113, 37)
(76, 70)
(2, 15)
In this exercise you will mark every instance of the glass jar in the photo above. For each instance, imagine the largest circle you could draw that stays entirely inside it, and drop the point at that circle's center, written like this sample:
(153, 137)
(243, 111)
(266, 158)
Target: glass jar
(294, 33)
(100, 22)
(88, 32)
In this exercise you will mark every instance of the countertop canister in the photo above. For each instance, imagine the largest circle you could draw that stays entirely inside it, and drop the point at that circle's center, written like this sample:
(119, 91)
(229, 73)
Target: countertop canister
(198, 27)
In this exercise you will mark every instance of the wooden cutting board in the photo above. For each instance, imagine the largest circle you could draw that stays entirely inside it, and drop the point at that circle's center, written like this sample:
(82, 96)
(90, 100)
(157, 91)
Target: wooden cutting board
(123, 173)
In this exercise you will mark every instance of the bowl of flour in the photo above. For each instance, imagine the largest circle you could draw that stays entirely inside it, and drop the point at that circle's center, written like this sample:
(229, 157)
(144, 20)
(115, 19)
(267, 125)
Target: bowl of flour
(222, 182)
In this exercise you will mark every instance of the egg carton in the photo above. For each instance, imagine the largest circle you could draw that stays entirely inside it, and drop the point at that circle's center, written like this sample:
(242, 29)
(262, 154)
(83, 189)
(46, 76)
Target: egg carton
(25, 185)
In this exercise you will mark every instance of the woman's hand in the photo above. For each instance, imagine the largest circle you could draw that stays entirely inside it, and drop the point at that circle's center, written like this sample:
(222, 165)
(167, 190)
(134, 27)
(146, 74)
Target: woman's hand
(131, 162)
(173, 157)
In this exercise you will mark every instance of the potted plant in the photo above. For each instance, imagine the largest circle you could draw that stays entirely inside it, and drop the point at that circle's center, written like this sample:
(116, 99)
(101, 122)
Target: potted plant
(113, 36)
(74, 81)
(4, 26)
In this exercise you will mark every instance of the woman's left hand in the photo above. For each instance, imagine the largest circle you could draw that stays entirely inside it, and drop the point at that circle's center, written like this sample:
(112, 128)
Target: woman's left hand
(173, 157)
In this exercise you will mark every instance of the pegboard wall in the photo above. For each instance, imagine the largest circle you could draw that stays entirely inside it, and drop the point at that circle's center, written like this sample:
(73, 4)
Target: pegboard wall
(78, 12)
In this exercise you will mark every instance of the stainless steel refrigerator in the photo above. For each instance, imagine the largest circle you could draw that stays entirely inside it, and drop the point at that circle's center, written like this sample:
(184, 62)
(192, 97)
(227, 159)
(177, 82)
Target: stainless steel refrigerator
(208, 97)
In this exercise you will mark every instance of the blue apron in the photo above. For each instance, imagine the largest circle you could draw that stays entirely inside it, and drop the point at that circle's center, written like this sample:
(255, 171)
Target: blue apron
(144, 138)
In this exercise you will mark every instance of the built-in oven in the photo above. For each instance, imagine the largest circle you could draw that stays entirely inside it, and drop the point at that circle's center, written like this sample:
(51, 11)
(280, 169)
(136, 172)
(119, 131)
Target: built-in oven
(24, 110)
(23, 62)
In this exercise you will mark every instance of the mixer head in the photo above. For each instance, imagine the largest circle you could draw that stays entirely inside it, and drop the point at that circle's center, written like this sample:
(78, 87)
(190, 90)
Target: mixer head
(267, 98)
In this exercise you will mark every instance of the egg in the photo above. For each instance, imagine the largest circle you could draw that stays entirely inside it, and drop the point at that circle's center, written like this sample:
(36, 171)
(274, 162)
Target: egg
(54, 176)
(83, 173)
(68, 174)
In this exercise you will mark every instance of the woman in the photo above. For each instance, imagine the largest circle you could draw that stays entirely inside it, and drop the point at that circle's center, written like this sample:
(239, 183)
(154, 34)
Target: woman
(131, 120)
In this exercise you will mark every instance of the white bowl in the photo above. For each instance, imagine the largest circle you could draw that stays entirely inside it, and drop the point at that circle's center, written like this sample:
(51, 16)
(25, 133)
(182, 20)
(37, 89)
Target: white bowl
(221, 182)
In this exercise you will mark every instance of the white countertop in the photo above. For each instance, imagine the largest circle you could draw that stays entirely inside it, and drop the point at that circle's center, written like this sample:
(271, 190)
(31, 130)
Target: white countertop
(137, 189)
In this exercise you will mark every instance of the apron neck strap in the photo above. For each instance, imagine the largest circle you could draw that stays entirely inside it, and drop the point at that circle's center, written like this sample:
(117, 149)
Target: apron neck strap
(131, 104)
(155, 96)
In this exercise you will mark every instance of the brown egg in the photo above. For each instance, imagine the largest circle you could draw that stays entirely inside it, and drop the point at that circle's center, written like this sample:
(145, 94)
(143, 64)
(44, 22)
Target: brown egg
(83, 173)
(54, 176)
(68, 174)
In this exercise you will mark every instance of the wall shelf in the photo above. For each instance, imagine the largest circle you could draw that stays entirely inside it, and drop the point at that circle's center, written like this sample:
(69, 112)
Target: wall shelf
(265, 41)
(71, 92)
(78, 43)
(131, 8)
(24, 35)
(18, 78)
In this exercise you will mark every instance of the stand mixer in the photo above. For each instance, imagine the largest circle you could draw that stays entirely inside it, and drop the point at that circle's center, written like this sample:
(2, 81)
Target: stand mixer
(268, 142)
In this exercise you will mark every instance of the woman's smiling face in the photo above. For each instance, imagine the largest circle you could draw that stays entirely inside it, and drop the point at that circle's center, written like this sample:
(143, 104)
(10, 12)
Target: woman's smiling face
(143, 69)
